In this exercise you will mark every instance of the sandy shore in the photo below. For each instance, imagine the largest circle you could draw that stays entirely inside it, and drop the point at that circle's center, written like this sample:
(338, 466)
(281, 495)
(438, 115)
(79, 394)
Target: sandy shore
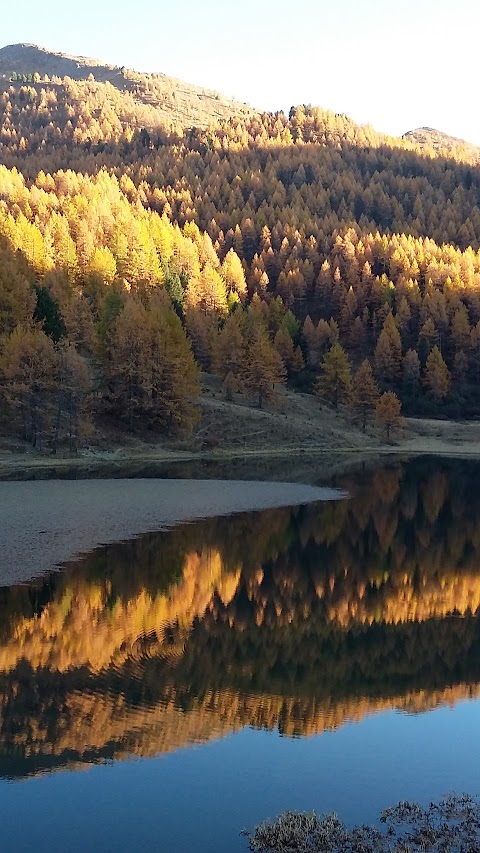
(47, 523)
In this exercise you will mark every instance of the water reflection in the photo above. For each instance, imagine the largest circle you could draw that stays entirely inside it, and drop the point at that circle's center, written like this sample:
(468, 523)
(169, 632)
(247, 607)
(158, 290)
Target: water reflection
(297, 619)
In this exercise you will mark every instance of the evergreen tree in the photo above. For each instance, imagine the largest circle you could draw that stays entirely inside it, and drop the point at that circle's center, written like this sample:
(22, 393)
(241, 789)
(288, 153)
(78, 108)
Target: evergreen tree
(47, 312)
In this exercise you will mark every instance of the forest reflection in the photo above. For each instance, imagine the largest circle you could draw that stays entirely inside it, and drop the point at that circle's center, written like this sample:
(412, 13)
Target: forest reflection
(297, 619)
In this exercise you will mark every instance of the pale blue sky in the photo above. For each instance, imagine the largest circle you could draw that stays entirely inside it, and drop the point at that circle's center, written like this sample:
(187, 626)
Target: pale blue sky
(396, 65)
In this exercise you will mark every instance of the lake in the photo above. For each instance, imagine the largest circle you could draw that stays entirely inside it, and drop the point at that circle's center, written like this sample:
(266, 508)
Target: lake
(166, 692)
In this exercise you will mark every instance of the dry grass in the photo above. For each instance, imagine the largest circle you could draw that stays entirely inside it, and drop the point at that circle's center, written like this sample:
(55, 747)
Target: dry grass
(299, 431)
(299, 422)
(450, 826)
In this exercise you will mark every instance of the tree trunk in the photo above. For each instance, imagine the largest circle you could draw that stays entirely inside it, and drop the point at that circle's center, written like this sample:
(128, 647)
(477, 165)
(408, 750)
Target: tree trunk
(57, 425)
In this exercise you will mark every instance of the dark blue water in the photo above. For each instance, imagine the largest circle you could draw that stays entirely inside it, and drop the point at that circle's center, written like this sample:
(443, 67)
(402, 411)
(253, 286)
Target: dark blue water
(168, 692)
(197, 799)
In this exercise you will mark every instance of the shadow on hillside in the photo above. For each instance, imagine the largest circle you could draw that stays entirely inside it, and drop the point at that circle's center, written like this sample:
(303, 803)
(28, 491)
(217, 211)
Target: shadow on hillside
(375, 168)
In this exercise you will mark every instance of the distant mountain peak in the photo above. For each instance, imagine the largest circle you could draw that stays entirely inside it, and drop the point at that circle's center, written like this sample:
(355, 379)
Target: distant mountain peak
(26, 58)
(430, 137)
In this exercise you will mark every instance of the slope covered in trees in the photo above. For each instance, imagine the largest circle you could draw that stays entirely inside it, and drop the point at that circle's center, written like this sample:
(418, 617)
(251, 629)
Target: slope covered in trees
(265, 248)
(54, 91)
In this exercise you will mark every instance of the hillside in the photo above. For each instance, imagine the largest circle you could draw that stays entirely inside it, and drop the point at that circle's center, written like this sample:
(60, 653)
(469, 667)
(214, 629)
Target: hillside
(152, 100)
(268, 250)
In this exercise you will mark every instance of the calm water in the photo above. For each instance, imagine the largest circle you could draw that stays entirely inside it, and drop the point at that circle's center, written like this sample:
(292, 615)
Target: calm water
(167, 692)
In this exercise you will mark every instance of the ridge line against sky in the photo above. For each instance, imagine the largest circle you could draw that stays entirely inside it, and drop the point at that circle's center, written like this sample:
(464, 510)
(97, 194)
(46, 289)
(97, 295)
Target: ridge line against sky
(395, 66)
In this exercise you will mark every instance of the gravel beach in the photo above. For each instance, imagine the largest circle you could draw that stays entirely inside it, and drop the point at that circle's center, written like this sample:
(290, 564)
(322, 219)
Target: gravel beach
(46, 523)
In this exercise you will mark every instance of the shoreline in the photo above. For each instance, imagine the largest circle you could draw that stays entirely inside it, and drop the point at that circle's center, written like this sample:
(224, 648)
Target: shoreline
(46, 524)
(117, 462)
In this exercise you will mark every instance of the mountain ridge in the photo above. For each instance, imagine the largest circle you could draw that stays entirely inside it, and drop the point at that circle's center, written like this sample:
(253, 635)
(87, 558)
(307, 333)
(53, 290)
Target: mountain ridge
(174, 100)
(28, 58)
(200, 103)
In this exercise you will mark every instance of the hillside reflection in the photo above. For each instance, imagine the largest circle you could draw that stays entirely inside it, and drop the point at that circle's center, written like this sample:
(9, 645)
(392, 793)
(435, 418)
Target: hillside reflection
(297, 619)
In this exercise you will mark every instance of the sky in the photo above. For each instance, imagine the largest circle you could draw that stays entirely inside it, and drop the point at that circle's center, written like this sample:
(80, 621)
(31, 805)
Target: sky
(395, 64)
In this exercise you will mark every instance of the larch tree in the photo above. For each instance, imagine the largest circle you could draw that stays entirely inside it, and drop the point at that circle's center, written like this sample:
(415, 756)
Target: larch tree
(207, 292)
(233, 274)
(73, 398)
(335, 380)
(27, 369)
(126, 365)
(460, 370)
(388, 411)
(388, 352)
(263, 369)
(427, 339)
(17, 297)
(411, 374)
(290, 354)
(229, 350)
(101, 265)
(174, 375)
(230, 386)
(202, 328)
(319, 339)
(461, 331)
(112, 305)
(364, 394)
(437, 375)
(310, 339)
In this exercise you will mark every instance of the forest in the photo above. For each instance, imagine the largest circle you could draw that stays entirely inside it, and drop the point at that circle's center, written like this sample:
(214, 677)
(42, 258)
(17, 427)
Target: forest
(269, 250)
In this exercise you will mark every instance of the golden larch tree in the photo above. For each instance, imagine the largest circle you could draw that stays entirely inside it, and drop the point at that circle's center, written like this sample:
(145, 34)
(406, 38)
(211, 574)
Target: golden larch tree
(126, 365)
(290, 354)
(364, 394)
(27, 371)
(229, 350)
(388, 411)
(233, 274)
(174, 375)
(437, 375)
(411, 373)
(388, 352)
(263, 370)
(207, 292)
(73, 398)
(461, 331)
(335, 380)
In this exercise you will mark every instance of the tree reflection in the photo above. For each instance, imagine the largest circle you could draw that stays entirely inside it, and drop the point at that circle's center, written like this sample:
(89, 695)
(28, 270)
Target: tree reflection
(297, 619)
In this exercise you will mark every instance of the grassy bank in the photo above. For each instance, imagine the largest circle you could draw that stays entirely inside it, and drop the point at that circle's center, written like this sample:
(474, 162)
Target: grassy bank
(234, 435)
